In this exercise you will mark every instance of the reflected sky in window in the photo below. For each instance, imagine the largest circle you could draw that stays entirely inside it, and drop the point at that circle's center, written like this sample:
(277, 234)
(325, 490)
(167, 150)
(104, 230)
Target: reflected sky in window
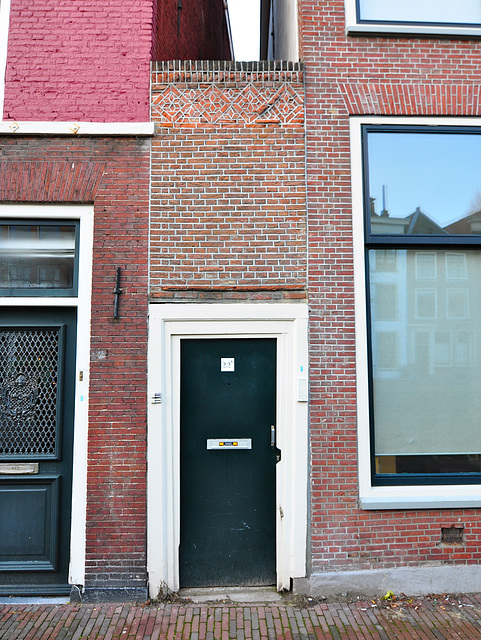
(437, 173)
(440, 11)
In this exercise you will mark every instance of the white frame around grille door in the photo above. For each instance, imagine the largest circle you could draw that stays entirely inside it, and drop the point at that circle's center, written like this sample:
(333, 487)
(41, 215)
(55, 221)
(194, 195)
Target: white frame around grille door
(169, 323)
(82, 301)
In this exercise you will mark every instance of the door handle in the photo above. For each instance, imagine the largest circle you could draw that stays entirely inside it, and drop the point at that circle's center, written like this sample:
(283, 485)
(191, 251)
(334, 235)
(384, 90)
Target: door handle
(273, 443)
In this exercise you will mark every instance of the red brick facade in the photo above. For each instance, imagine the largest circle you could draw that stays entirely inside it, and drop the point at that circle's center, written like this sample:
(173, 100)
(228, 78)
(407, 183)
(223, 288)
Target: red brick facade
(371, 75)
(228, 183)
(230, 221)
(90, 61)
(114, 176)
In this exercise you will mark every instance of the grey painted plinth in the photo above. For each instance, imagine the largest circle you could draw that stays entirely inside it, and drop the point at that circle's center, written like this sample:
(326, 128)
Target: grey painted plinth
(409, 580)
(110, 594)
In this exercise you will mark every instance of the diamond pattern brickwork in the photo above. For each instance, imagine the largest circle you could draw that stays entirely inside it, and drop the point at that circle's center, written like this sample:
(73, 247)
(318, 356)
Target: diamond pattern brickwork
(231, 94)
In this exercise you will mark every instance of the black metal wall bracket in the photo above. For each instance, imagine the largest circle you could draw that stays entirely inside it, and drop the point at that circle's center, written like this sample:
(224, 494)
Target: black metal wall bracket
(117, 293)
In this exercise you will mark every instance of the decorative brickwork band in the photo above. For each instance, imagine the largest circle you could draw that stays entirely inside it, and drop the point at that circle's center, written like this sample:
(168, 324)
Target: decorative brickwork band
(49, 181)
(207, 94)
(199, 72)
(411, 99)
(226, 294)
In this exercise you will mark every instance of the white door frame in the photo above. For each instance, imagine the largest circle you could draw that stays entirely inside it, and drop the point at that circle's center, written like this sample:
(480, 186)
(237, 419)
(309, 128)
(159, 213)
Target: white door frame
(85, 215)
(169, 323)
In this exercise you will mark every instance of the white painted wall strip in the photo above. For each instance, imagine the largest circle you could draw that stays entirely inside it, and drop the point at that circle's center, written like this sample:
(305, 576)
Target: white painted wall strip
(73, 128)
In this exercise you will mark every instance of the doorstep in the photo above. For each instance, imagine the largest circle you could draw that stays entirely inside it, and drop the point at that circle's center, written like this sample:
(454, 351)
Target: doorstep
(231, 594)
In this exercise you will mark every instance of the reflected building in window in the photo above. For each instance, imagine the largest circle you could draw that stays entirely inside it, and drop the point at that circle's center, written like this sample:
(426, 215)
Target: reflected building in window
(37, 257)
(425, 306)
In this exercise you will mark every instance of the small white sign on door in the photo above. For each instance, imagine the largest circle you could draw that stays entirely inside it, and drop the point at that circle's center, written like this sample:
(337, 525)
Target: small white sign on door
(227, 364)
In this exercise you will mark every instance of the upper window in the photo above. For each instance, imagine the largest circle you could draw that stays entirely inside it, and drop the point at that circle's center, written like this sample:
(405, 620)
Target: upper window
(422, 208)
(38, 258)
(431, 16)
(462, 12)
(423, 183)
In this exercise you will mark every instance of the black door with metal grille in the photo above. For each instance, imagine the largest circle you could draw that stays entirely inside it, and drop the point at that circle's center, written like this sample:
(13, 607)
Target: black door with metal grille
(228, 462)
(37, 385)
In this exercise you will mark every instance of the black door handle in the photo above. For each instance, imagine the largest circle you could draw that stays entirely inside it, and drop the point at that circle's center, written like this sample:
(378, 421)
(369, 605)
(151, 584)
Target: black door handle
(273, 443)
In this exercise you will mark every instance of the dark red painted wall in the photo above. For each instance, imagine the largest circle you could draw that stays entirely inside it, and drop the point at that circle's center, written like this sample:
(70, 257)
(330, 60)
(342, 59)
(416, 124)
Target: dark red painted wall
(190, 30)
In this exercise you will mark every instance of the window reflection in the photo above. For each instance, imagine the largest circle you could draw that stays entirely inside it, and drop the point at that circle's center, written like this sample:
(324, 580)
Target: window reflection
(37, 256)
(456, 268)
(426, 361)
(424, 183)
(430, 11)
(426, 265)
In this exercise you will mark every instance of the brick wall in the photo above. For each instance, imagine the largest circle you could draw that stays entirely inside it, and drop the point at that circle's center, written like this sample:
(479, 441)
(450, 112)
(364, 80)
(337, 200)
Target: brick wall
(363, 75)
(190, 30)
(228, 182)
(88, 60)
(78, 60)
(114, 173)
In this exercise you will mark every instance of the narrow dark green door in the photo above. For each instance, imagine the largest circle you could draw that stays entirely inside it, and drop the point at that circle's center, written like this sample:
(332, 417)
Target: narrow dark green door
(228, 462)
(37, 384)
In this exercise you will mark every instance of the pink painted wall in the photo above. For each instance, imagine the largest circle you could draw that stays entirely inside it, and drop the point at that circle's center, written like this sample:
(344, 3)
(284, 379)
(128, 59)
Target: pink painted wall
(78, 60)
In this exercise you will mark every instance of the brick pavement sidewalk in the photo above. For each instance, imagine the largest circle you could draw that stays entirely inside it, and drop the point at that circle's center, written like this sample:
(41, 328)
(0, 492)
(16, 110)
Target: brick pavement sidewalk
(436, 617)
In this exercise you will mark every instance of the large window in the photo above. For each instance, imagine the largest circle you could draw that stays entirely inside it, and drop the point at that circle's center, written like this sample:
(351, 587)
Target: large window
(422, 216)
(431, 16)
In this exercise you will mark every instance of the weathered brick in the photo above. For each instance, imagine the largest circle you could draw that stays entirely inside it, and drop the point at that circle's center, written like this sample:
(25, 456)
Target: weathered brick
(228, 193)
(116, 479)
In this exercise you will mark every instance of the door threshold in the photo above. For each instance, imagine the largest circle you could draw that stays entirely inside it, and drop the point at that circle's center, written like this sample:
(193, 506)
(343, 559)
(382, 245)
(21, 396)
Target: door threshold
(231, 594)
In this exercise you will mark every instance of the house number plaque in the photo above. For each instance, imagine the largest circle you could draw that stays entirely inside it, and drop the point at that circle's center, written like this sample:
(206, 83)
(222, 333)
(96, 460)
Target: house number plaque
(8, 468)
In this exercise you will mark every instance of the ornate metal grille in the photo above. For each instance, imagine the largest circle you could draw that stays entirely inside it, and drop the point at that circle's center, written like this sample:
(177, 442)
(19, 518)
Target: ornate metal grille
(29, 371)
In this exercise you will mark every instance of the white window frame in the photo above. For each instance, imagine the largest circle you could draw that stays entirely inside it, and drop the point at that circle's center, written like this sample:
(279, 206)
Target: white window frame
(472, 350)
(4, 23)
(82, 301)
(388, 497)
(354, 26)
(420, 276)
(462, 254)
(449, 307)
(420, 291)
(168, 324)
